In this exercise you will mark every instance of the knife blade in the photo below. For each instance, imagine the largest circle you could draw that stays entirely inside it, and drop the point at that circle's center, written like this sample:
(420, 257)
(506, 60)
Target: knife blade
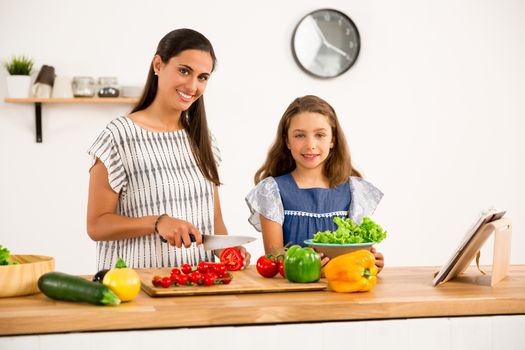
(213, 242)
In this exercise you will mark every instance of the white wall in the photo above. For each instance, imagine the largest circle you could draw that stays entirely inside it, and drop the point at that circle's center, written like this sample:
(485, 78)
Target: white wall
(433, 111)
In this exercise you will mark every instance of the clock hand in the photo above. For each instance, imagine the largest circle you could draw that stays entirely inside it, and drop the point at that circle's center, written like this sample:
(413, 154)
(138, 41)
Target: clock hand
(319, 32)
(326, 43)
(338, 50)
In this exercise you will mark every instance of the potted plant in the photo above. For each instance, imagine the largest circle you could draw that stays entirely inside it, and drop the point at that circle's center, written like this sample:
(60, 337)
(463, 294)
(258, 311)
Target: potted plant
(19, 79)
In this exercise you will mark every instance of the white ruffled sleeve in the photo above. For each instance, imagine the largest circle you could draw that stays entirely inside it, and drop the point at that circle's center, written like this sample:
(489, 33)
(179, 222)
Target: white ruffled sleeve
(104, 148)
(265, 200)
(365, 198)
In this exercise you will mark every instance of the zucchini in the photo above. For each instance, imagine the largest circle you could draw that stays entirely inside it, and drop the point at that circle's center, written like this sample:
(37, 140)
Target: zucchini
(62, 286)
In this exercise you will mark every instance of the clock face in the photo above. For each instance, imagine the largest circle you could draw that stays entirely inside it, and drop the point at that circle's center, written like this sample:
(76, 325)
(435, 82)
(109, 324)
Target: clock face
(326, 43)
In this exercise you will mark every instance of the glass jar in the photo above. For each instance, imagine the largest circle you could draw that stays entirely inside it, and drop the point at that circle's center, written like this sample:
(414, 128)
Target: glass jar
(83, 87)
(108, 87)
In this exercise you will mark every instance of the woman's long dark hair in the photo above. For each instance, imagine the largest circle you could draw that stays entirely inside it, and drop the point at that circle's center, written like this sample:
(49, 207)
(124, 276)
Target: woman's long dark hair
(338, 165)
(194, 120)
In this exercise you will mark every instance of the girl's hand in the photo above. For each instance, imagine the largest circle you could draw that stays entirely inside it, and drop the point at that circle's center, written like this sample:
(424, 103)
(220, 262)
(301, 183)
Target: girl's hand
(177, 232)
(380, 259)
(324, 259)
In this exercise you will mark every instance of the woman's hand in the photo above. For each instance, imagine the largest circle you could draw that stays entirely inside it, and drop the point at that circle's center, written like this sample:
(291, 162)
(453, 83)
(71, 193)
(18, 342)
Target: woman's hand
(177, 232)
(244, 253)
(245, 256)
(380, 259)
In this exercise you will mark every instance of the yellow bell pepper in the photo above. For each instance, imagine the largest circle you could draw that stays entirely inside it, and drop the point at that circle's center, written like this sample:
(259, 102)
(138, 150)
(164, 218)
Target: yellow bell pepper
(122, 280)
(352, 272)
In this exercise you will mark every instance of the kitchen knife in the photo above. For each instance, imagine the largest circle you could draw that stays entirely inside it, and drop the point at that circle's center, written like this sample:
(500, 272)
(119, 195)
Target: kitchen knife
(213, 242)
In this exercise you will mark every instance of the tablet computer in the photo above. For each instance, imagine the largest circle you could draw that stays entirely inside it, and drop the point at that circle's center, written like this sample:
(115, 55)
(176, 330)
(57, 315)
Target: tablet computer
(468, 247)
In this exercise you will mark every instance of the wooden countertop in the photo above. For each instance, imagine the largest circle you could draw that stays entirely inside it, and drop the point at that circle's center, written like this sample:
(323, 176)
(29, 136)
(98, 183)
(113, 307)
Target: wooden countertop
(402, 292)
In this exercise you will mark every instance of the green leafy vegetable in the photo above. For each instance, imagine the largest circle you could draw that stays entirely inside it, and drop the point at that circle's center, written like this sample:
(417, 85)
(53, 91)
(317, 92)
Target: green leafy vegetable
(349, 232)
(4, 257)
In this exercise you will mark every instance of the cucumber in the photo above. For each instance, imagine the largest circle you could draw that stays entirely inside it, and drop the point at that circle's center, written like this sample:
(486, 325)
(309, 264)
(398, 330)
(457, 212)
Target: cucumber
(61, 286)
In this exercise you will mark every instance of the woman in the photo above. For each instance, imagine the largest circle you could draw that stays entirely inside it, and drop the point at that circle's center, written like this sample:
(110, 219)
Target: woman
(154, 172)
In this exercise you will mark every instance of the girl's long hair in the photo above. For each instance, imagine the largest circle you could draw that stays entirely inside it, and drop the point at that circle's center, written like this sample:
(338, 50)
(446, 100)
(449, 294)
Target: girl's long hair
(279, 161)
(194, 119)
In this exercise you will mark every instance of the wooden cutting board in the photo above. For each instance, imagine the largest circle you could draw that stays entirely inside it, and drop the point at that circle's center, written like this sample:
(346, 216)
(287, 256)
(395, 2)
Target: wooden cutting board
(245, 281)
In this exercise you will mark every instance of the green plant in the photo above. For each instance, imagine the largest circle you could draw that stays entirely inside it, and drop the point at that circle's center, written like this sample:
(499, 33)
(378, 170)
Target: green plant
(19, 65)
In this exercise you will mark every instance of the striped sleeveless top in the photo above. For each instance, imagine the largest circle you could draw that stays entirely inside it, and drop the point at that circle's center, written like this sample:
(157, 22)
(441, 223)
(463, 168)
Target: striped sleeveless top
(154, 173)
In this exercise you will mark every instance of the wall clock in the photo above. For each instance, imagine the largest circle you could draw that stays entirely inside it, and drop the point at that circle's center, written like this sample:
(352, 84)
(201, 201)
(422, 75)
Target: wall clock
(325, 43)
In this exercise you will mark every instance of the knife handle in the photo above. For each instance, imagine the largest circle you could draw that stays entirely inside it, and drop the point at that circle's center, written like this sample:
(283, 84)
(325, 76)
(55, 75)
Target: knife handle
(192, 238)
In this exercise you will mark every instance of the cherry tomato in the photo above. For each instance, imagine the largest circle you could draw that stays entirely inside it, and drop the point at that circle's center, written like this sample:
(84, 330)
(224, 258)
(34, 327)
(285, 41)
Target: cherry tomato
(174, 279)
(267, 266)
(186, 269)
(175, 271)
(231, 258)
(196, 277)
(156, 281)
(227, 278)
(280, 266)
(184, 279)
(209, 280)
(203, 267)
(220, 269)
(166, 282)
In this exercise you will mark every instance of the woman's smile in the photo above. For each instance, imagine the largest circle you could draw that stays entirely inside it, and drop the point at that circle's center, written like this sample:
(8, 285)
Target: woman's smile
(184, 96)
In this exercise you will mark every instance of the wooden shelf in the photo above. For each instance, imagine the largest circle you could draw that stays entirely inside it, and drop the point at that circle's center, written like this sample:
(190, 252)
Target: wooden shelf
(123, 100)
(74, 100)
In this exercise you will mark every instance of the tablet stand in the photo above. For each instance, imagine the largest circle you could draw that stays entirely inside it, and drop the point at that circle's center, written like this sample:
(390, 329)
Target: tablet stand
(502, 230)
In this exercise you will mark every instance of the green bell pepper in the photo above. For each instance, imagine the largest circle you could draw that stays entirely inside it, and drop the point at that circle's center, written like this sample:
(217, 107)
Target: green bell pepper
(302, 265)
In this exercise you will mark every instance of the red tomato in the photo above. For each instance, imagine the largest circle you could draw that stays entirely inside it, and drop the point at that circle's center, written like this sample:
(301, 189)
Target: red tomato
(196, 277)
(231, 258)
(280, 266)
(203, 267)
(209, 280)
(175, 271)
(166, 282)
(184, 279)
(157, 281)
(220, 269)
(267, 266)
(227, 278)
(186, 268)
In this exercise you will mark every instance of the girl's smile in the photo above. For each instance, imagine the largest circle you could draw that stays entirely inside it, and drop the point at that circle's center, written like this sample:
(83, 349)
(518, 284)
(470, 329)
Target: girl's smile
(310, 157)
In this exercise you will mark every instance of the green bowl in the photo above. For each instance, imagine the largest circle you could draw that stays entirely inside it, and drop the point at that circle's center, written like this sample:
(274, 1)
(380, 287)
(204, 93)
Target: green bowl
(333, 250)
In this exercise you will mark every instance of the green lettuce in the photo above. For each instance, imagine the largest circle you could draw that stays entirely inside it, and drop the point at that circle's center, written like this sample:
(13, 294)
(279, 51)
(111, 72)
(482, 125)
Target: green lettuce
(349, 232)
(4, 257)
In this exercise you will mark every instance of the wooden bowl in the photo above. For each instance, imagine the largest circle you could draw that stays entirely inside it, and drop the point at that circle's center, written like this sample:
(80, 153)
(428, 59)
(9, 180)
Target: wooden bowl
(22, 278)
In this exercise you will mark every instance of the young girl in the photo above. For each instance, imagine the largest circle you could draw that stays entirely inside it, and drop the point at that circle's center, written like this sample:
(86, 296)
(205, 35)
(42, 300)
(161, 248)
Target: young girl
(308, 179)
(154, 173)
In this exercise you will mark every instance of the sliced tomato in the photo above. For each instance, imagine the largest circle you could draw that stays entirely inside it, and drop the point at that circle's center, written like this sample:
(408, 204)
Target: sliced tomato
(231, 258)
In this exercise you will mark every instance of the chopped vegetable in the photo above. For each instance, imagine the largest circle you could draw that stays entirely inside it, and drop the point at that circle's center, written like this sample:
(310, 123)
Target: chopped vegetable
(232, 258)
(352, 272)
(349, 232)
(4, 257)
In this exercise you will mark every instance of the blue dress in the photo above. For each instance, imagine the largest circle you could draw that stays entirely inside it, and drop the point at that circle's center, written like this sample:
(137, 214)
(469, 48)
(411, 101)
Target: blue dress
(304, 212)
